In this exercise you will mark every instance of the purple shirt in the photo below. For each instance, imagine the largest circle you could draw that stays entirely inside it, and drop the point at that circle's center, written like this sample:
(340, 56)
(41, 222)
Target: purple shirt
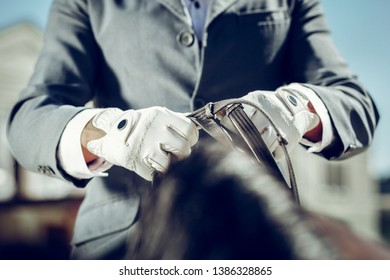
(198, 11)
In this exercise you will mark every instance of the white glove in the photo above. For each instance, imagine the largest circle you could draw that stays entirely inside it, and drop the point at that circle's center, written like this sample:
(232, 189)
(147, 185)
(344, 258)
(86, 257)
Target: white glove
(288, 110)
(143, 140)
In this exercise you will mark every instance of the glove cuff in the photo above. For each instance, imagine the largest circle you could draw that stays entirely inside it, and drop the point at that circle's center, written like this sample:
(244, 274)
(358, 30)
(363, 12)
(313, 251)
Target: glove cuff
(294, 100)
(297, 104)
(106, 118)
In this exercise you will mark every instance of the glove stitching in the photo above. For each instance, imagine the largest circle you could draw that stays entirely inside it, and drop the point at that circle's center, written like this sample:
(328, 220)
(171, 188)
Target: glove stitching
(132, 159)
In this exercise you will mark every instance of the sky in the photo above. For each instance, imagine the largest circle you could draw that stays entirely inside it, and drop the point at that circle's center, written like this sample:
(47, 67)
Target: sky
(360, 30)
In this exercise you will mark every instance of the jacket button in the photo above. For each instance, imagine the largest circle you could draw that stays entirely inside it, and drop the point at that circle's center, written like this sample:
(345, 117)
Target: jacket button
(45, 170)
(186, 38)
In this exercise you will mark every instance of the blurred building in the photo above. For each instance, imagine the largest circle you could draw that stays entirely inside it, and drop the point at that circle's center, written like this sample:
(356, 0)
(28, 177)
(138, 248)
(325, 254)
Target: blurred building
(340, 189)
(18, 51)
(38, 211)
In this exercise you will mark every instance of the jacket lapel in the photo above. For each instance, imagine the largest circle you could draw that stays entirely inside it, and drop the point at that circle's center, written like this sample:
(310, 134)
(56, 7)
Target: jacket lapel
(176, 7)
(216, 8)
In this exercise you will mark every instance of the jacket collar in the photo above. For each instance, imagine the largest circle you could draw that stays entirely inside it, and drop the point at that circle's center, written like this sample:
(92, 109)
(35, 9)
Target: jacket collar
(216, 8)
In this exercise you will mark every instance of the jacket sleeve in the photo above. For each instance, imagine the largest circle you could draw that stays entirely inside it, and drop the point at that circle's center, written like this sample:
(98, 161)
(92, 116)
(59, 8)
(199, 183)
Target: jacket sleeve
(60, 86)
(315, 62)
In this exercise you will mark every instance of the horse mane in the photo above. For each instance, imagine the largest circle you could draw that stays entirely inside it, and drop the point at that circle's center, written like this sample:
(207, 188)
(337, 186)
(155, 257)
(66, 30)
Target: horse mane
(220, 204)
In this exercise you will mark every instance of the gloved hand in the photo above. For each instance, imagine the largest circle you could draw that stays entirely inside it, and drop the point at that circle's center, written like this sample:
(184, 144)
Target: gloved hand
(143, 140)
(289, 111)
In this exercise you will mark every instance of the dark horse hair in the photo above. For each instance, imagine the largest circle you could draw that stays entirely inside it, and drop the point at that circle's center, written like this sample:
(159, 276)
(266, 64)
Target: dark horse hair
(220, 204)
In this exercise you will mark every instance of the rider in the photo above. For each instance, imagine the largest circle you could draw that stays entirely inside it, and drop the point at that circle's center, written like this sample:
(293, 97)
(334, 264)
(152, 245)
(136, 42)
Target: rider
(144, 64)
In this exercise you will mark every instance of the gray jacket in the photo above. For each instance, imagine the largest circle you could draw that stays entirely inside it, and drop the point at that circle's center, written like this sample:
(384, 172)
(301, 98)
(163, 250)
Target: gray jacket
(136, 54)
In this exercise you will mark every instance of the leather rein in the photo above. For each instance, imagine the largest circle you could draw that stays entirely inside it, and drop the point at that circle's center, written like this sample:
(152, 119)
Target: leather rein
(246, 137)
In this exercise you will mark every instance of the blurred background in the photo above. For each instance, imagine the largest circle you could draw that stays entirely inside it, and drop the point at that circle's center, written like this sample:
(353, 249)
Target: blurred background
(37, 212)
